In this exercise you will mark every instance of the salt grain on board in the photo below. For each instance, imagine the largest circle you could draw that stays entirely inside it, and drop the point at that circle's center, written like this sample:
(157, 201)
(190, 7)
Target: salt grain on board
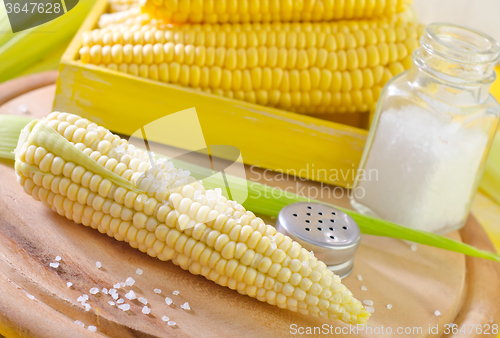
(92, 328)
(58, 258)
(115, 296)
(168, 300)
(111, 303)
(117, 286)
(413, 247)
(124, 307)
(364, 288)
(87, 307)
(79, 323)
(370, 309)
(146, 310)
(186, 306)
(175, 293)
(165, 318)
(138, 271)
(30, 296)
(157, 291)
(129, 281)
(368, 302)
(130, 295)
(389, 306)
(98, 265)
(171, 323)
(143, 300)
(105, 291)
(68, 284)
(360, 277)
(437, 313)
(119, 301)
(54, 265)
(93, 291)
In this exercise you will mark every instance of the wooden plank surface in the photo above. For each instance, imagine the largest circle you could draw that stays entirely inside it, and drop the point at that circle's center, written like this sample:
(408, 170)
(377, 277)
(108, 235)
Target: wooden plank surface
(416, 283)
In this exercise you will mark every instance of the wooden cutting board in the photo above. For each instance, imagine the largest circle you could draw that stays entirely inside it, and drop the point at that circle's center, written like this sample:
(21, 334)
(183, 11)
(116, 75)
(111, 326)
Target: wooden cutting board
(35, 300)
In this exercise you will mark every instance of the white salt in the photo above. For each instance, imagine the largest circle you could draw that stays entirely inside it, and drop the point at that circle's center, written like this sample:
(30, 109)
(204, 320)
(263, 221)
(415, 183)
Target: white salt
(168, 301)
(165, 318)
(129, 281)
(81, 299)
(124, 307)
(370, 309)
(158, 291)
(117, 286)
(171, 323)
(175, 293)
(69, 284)
(92, 328)
(413, 247)
(105, 291)
(120, 301)
(186, 306)
(54, 265)
(389, 306)
(87, 307)
(130, 295)
(142, 300)
(93, 291)
(112, 291)
(115, 296)
(421, 169)
(79, 323)
(123, 284)
(111, 303)
(30, 296)
(58, 258)
(368, 302)
(146, 310)
(98, 265)
(437, 313)
(138, 271)
(364, 288)
(360, 277)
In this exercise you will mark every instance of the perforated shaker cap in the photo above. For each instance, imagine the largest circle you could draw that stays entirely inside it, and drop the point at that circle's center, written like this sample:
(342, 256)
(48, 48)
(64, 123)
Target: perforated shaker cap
(331, 234)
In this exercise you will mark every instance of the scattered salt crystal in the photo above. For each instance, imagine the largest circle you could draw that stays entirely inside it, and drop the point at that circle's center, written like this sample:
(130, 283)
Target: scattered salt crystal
(123, 284)
(54, 265)
(370, 309)
(165, 318)
(93, 291)
(87, 307)
(79, 323)
(437, 313)
(68, 284)
(111, 303)
(86, 297)
(157, 291)
(92, 328)
(186, 306)
(364, 288)
(168, 300)
(368, 302)
(117, 286)
(142, 300)
(138, 271)
(115, 296)
(120, 301)
(389, 306)
(146, 310)
(175, 293)
(413, 247)
(130, 295)
(58, 258)
(124, 307)
(105, 291)
(360, 277)
(30, 296)
(274, 246)
(171, 323)
(23, 109)
(129, 281)
(112, 291)
(98, 265)
(81, 299)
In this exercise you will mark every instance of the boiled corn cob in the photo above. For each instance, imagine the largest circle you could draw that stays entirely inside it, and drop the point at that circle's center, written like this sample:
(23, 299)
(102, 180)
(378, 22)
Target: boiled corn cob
(122, 5)
(222, 11)
(302, 67)
(89, 175)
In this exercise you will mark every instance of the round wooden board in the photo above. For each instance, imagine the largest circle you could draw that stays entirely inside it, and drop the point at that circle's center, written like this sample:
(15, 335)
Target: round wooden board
(416, 283)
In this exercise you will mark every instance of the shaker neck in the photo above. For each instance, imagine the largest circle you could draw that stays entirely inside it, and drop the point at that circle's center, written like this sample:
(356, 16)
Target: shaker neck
(457, 56)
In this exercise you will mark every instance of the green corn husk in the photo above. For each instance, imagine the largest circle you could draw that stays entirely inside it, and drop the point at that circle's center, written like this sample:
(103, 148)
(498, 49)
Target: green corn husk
(21, 50)
(260, 201)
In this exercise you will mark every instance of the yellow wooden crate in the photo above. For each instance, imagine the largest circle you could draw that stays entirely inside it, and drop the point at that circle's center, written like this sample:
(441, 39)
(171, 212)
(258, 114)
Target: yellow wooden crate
(271, 138)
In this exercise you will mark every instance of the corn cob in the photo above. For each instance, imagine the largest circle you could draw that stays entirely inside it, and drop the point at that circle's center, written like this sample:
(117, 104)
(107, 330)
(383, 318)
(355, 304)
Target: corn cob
(122, 5)
(91, 176)
(233, 11)
(307, 68)
(127, 18)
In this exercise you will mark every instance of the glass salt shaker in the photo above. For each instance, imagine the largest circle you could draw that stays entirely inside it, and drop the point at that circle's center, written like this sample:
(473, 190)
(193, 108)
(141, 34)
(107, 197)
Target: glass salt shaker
(431, 133)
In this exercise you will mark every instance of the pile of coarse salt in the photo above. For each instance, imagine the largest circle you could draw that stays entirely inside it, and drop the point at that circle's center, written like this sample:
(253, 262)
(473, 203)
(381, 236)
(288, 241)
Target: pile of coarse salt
(421, 169)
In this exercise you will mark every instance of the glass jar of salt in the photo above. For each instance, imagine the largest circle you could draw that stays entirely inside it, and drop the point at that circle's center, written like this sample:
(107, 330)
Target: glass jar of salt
(431, 133)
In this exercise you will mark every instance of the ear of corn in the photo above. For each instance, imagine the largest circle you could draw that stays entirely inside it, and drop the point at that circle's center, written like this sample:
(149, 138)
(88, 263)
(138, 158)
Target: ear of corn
(302, 67)
(89, 175)
(233, 11)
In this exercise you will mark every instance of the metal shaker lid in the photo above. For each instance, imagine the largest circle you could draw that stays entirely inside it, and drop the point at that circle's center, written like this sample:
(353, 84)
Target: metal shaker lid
(331, 234)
